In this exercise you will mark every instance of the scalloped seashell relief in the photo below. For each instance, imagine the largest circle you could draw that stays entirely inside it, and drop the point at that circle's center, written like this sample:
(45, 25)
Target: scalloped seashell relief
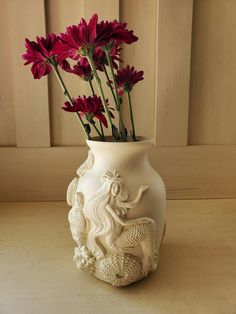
(113, 248)
(119, 269)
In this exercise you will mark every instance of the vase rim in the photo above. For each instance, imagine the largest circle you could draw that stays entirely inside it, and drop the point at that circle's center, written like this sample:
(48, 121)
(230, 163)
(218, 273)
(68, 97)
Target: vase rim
(109, 141)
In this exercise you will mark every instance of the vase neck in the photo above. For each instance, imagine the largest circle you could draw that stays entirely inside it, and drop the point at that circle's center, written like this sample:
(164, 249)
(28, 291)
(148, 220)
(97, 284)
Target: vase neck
(115, 154)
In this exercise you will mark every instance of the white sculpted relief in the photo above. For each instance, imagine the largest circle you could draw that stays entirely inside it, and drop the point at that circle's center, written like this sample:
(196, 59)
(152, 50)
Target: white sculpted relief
(112, 247)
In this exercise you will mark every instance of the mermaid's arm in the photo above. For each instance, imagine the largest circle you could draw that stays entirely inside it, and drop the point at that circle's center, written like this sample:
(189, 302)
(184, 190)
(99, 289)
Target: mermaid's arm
(134, 203)
(125, 222)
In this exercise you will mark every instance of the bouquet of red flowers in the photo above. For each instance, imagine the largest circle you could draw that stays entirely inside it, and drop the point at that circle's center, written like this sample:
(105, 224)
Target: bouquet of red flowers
(85, 50)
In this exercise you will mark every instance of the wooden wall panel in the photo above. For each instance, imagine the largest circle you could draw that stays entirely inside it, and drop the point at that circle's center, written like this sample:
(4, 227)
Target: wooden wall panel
(141, 17)
(106, 9)
(174, 25)
(213, 73)
(30, 96)
(7, 117)
(188, 172)
(161, 101)
(65, 128)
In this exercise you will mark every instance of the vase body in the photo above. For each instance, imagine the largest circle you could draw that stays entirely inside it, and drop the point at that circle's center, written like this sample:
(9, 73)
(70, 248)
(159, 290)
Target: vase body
(118, 212)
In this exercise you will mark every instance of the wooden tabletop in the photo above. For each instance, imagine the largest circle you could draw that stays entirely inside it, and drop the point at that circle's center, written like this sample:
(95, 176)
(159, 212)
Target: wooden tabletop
(196, 274)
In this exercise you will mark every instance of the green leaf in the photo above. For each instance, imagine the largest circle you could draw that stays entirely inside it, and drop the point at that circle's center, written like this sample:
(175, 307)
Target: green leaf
(87, 128)
(115, 132)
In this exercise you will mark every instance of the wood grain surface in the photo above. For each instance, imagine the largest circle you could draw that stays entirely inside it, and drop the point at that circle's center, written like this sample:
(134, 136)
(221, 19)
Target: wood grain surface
(186, 102)
(196, 274)
(188, 172)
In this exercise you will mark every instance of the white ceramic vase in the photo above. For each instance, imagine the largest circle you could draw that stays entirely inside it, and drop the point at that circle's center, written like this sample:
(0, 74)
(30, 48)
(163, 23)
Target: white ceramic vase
(118, 212)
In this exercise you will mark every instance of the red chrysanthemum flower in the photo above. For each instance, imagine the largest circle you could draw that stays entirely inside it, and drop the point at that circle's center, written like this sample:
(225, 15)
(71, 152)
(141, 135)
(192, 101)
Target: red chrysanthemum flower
(81, 69)
(100, 58)
(40, 53)
(116, 32)
(127, 77)
(90, 107)
(86, 37)
(115, 56)
(76, 38)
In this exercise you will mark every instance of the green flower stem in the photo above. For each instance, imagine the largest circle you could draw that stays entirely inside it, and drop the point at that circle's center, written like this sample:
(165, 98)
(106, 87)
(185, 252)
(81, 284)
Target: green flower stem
(112, 91)
(114, 96)
(109, 83)
(131, 116)
(113, 79)
(99, 86)
(66, 93)
(101, 127)
(98, 132)
(121, 123)
(91, 86)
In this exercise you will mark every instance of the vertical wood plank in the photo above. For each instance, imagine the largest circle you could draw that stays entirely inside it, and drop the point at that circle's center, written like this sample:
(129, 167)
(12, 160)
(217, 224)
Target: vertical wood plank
(106, 9)
(174, 29)
(30, 96)
(141, 17)
(65, 128)
(7, 118)
(213, 73)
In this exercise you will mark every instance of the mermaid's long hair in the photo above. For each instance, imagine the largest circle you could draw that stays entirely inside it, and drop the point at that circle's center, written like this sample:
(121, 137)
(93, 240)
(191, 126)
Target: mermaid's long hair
(100, 221)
